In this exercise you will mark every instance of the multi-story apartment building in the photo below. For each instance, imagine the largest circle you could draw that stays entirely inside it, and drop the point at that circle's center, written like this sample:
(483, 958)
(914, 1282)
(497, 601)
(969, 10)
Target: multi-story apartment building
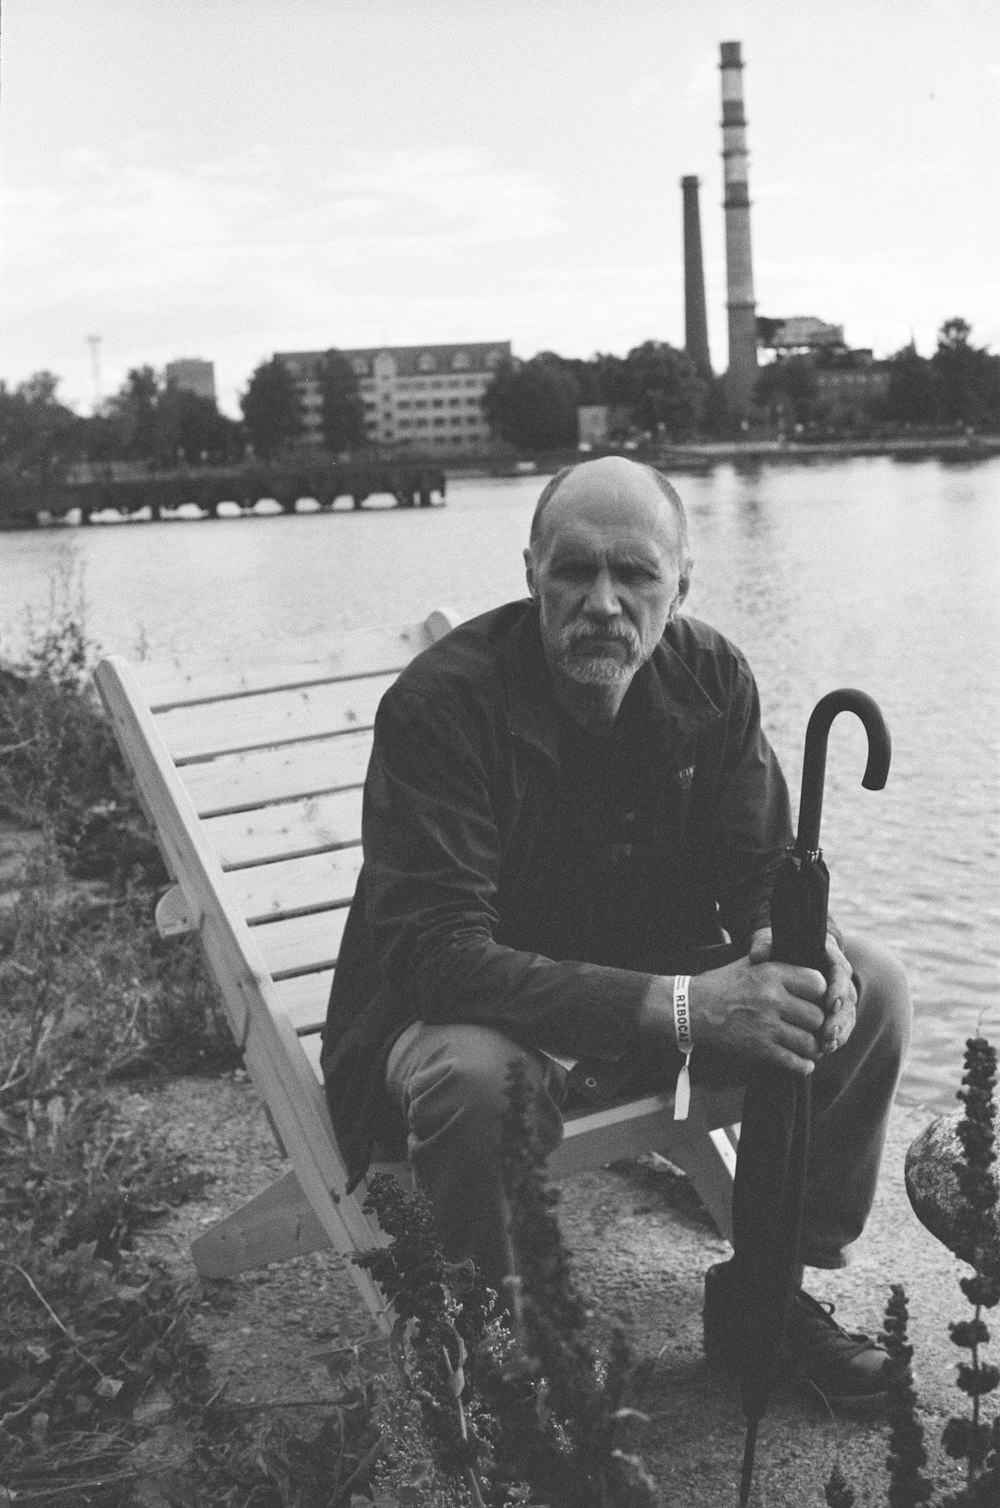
(425, 397)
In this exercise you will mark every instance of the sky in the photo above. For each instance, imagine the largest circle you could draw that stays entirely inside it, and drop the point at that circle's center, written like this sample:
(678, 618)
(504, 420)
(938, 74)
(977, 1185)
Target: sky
(228, 178)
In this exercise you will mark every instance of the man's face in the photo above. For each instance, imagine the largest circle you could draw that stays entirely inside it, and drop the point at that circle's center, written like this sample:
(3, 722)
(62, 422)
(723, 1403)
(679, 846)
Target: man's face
(606, 571)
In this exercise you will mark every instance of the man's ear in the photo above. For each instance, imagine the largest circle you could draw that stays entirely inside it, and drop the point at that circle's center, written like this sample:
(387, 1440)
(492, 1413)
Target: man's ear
(683, 583)
(529, 572)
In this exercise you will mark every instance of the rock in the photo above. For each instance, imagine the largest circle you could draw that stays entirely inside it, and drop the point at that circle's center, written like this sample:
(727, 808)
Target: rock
(931, 1175)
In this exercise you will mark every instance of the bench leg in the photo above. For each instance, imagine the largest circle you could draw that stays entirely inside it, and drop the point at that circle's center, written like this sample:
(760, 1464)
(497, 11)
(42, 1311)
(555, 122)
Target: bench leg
(273, 1226)
(709, 1160)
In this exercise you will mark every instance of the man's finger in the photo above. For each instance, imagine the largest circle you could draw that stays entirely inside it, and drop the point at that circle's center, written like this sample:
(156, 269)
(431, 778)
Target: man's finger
(760, 946)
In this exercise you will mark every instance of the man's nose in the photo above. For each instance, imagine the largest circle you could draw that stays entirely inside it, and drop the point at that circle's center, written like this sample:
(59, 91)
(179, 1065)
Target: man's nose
(602, 598)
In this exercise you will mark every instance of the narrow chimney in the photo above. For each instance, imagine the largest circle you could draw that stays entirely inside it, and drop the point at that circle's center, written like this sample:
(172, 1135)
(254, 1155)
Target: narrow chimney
(740, 302)
(695, 318)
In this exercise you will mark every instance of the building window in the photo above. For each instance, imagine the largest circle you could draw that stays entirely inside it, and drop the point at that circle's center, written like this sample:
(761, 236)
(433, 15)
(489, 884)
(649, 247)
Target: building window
(426, 362)
(460, 361)
(359, 366)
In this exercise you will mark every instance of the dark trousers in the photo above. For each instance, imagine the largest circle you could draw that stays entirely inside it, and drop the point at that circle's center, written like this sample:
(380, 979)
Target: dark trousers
(449, 1084)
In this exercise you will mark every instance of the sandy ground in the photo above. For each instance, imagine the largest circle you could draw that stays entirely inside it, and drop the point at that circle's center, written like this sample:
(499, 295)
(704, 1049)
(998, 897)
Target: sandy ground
(641, 1243)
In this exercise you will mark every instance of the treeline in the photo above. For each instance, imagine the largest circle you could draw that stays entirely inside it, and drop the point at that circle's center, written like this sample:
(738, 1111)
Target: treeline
(654, 391)
(958, 386)
(152, 424)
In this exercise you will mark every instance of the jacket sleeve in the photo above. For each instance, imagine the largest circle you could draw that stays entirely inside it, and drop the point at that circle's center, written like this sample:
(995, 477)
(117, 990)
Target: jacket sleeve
(432, 864)
(751, 821)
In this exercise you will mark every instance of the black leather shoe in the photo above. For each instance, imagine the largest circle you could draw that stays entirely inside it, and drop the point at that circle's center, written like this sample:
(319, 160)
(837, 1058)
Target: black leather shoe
(847, 1367)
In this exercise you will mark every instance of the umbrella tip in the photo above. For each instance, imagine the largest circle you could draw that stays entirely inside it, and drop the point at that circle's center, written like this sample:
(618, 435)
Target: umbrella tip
(749, 1451)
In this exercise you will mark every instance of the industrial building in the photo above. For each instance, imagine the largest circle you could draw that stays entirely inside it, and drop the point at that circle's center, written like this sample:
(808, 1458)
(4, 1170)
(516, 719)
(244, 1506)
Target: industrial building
(425, 397)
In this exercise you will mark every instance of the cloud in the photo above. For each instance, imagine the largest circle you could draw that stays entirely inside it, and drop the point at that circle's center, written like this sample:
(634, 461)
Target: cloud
(164, 258)
(132, 224)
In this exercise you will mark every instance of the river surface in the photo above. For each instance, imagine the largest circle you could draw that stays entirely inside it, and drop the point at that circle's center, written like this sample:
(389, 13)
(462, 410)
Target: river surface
(866, 572)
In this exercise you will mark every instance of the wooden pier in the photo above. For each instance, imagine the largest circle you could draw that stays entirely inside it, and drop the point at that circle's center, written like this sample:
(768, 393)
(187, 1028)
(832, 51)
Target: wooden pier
(26, 502)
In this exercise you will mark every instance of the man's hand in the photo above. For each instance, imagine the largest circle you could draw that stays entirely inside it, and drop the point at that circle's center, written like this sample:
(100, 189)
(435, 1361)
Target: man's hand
(755, 1010)
(840, 1003)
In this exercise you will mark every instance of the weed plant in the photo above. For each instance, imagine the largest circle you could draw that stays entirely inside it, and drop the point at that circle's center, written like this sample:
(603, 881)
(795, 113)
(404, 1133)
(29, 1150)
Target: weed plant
(60, 768)
(515, 1402)
(966, 1437)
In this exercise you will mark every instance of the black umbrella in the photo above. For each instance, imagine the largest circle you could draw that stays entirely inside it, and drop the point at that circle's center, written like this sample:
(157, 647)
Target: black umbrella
(774, 1140)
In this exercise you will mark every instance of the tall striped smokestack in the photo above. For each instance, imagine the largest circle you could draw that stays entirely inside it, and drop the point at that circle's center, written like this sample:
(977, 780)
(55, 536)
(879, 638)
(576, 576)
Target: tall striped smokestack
(695, 318)
(740, 301)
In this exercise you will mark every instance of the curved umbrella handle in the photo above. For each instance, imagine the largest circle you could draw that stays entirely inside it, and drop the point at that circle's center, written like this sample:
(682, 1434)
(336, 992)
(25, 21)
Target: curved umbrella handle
(814, 757)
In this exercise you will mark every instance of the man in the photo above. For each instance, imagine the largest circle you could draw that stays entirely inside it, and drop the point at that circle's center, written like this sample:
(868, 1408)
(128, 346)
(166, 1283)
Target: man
(570, 802)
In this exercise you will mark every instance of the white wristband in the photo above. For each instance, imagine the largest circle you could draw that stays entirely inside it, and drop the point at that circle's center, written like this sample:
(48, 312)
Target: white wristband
(682, 1030)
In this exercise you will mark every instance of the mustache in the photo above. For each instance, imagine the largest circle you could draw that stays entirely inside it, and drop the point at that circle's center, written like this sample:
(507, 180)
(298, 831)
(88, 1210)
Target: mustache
(574, 638)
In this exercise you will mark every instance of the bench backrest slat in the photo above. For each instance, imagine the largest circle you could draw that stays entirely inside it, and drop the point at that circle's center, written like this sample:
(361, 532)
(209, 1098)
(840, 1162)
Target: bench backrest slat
(287, 829)
(361, 652)
(305, 998)
(271, 719)
(269, 892)
(239, 782)
(301, 944)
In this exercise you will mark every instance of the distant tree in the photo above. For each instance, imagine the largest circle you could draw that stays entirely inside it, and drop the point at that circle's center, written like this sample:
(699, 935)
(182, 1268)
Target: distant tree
(133, 412)
(36, 430)
(190, 428)
(270, 408)
(968, 378)
(911, 397)
(342, 411)
(533, 404)
(659, 385)
(788, 387)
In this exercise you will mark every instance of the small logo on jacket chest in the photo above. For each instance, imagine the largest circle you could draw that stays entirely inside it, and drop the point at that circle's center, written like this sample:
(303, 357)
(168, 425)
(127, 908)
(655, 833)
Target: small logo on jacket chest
(684, 777)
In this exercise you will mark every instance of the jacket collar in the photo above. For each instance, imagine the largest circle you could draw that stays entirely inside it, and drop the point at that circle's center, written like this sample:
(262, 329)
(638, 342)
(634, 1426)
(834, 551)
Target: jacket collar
(674, 706)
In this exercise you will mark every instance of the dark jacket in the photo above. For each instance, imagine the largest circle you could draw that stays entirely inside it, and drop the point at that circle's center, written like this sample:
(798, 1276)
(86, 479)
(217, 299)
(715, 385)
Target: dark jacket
(488, 880)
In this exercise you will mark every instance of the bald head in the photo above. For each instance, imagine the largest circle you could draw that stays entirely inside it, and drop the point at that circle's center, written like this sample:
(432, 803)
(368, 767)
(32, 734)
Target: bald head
(617, 479)
(608, 566)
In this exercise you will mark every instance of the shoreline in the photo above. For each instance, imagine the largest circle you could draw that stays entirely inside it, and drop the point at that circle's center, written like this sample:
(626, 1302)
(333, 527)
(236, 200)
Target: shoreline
(702, 455)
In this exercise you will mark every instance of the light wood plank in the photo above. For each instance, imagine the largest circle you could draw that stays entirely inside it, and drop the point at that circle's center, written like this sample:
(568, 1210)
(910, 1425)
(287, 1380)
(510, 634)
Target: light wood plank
(270, 891)
(273, 718)
(280, 1070)
(312, 1047)
(301, 944)
(287, 830)
(357, 652)
(305, 999)
(240, 782)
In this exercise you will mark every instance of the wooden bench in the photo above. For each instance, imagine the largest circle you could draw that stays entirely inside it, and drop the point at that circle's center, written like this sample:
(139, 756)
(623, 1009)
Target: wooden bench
(253, 780)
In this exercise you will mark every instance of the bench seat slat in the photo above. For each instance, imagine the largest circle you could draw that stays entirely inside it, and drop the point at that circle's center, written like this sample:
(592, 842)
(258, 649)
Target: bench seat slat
(319, 881)
(370, 651)
(240, 782)
(302, 944)
(287, 830)
(274, 718)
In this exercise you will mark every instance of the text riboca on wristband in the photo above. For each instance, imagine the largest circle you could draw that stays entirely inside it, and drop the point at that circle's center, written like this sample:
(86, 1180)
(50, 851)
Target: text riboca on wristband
(682, 1030)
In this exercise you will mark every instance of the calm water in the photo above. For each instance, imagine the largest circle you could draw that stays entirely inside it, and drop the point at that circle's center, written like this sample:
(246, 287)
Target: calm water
(866, 573)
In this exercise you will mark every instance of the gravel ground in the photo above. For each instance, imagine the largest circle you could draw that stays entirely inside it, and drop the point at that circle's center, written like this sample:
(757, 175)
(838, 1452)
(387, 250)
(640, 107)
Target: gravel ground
(641, 1244)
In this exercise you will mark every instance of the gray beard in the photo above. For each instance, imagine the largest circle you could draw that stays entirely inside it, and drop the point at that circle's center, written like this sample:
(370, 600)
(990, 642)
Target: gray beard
(597, 669)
